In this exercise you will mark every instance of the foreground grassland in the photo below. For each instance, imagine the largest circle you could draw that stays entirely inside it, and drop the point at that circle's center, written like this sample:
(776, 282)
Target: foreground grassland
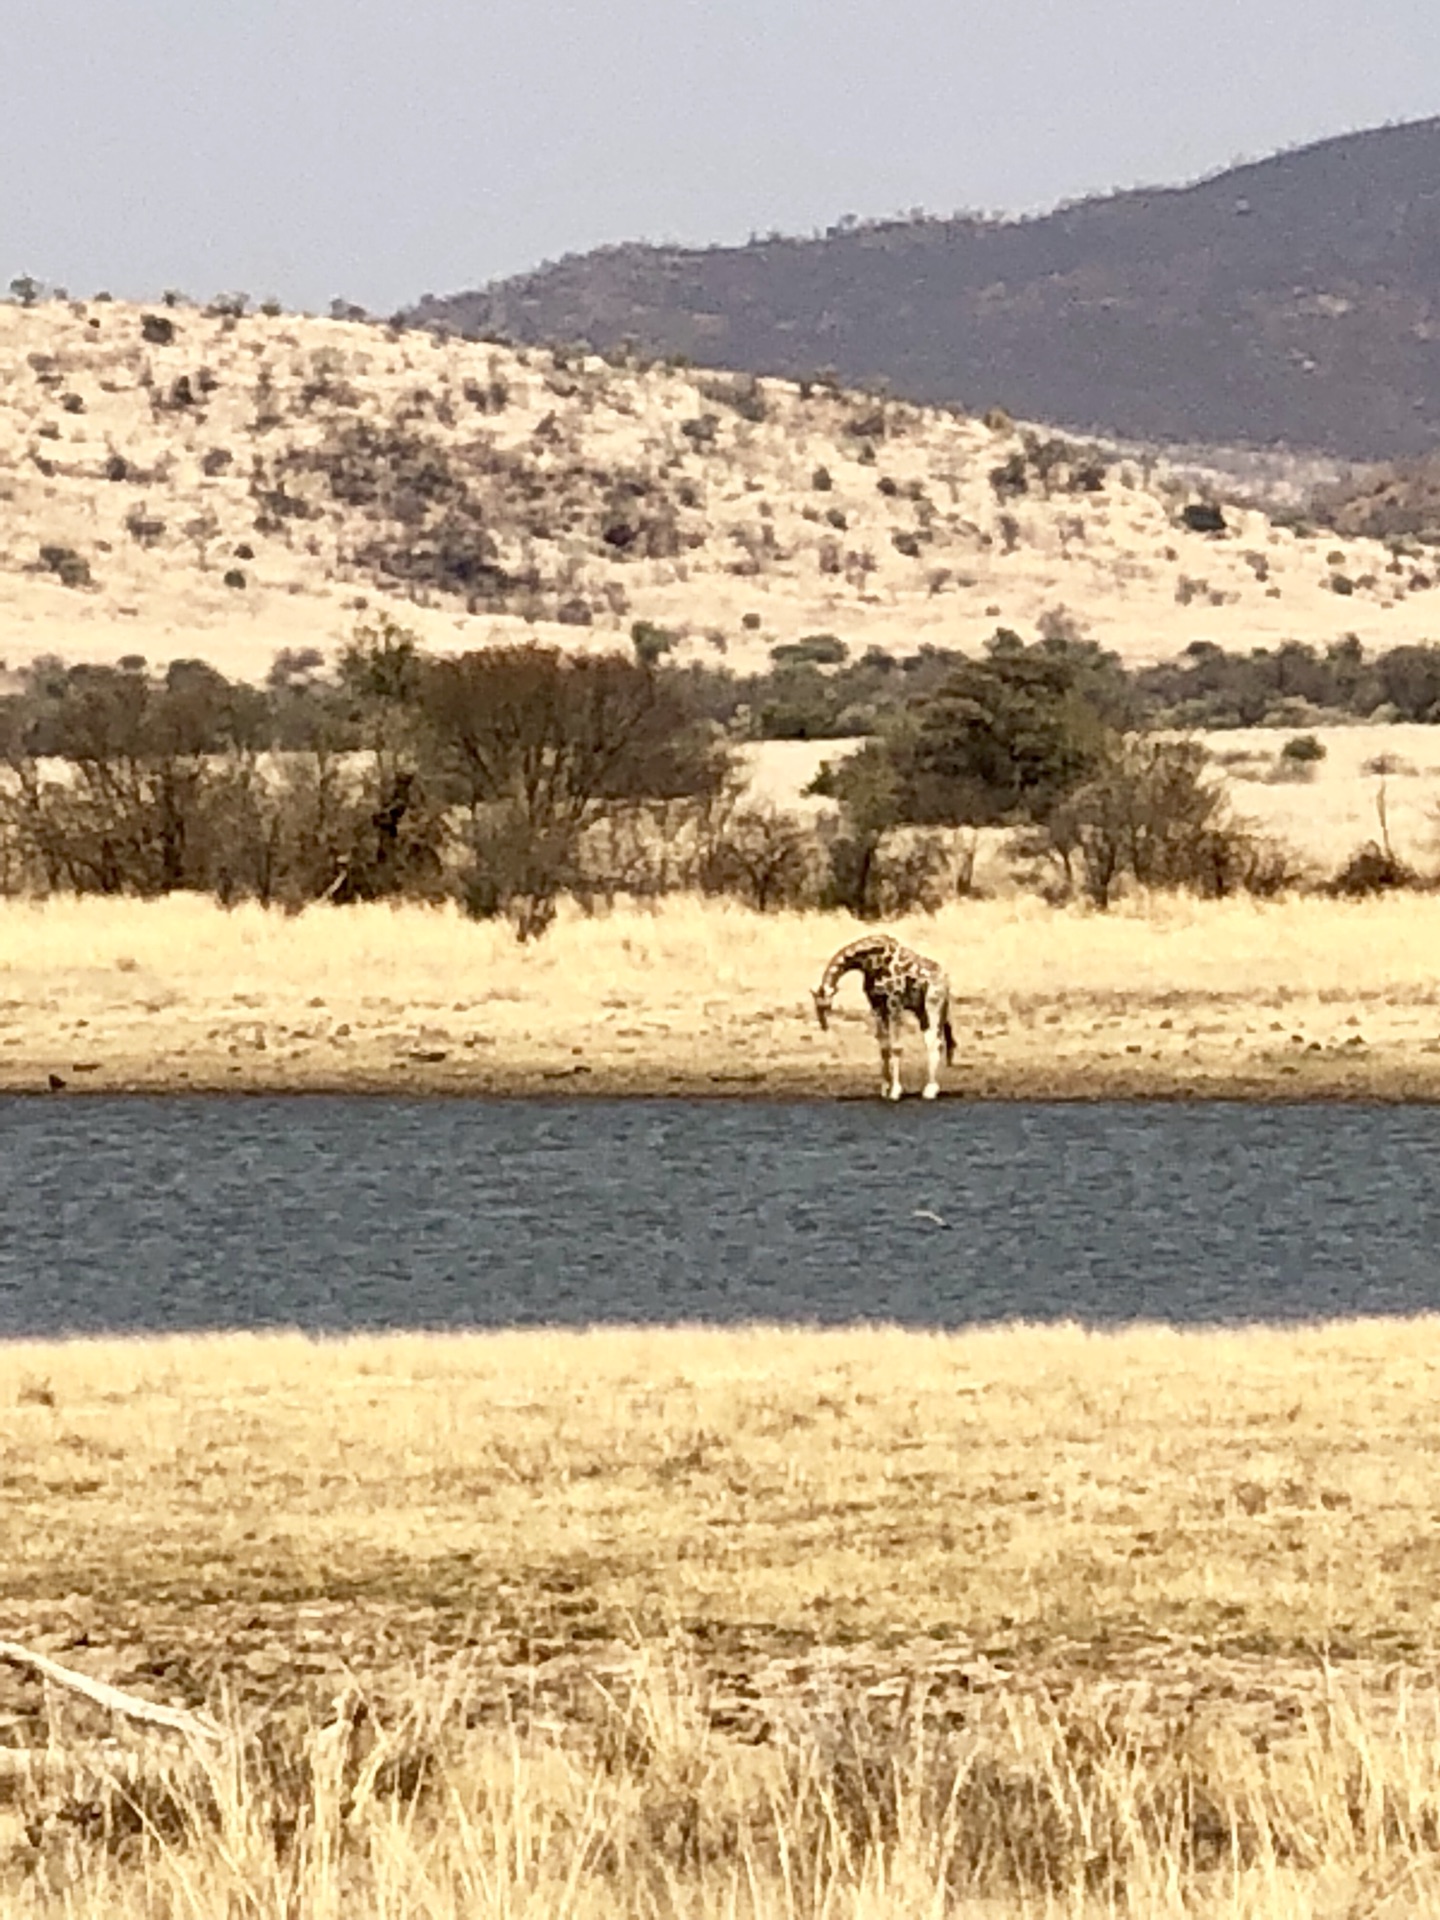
(763, 1622)
(1304, 998)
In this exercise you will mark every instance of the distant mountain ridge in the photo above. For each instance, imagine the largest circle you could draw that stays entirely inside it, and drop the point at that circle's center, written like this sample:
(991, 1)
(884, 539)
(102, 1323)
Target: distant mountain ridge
(1292, 302)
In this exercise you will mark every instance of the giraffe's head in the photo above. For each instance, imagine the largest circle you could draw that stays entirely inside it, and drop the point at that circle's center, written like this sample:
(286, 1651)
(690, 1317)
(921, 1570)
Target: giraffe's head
(822, 999)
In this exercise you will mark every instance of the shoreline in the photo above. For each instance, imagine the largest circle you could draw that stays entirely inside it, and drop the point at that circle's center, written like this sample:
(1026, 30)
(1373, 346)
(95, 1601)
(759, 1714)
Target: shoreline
(1382, 1081)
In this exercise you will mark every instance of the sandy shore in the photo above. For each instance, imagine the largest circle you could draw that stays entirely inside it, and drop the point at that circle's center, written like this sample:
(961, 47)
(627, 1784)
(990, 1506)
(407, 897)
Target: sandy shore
(1173, 999)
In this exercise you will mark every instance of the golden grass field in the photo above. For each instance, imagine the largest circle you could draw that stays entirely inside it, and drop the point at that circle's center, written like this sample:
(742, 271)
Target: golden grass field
(1325, 817)
(905, 543)
(761, 1622)
(1322, 818)
(1305, 997)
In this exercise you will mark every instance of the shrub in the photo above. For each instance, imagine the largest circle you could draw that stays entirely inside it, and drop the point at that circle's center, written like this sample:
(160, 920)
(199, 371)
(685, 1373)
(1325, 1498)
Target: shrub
(69, 567)
(814, 649)
(1372, 869)
(1011, 478)
(744, 394)
(868, 426)
(558, 736)
(1203, 516)
(421, 517)
(1304, 750)
(515, 872)
(1150, 814)
(764, 857)
(1006, 737)
(157, 329)
(144, 528)
(651, 643)
(877, 875)
(395, 840)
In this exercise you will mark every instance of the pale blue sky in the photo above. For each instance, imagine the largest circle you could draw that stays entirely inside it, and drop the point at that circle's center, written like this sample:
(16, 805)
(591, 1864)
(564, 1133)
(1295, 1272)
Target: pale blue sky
(313, 148)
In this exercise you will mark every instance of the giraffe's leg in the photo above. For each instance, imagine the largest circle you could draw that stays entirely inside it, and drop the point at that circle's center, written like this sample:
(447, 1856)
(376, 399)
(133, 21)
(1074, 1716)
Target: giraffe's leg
(932, 1061)
(889, 1058)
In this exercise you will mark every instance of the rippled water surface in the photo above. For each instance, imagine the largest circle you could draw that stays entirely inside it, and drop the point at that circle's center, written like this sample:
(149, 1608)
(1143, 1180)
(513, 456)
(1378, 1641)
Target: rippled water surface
(332, 1213)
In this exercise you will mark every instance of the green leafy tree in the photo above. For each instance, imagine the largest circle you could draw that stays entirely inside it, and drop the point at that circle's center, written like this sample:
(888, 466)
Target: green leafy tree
(1006, 737)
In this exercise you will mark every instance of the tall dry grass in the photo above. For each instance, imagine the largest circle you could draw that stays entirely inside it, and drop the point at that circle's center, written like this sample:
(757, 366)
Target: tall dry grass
(1011, 1487)
(1085, 1804)
(696, 1623)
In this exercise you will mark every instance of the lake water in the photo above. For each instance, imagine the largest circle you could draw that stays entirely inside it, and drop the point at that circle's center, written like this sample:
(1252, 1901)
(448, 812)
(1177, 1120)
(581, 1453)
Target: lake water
(332, 1213)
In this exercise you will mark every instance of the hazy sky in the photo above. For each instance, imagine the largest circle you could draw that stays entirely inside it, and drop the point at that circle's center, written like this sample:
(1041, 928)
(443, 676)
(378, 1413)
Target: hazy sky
(314, 148)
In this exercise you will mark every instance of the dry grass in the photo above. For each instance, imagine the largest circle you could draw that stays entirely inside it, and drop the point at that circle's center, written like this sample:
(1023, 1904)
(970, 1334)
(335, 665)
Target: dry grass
(1325, 817)
(1082, 1803)
(1374, 779)
(80, 388)
(1170, 995)
(1023, 1621)
(1020, 1488)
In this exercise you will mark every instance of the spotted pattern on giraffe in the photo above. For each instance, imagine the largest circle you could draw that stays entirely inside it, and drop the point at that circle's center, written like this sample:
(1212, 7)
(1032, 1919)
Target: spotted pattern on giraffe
(896, 981)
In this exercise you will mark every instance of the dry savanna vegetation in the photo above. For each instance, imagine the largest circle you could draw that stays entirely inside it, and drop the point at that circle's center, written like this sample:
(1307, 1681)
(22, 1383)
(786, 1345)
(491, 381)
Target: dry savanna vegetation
(729, 560)
(696, 1623)
(1025, 1621)
(179, 482)
(1164, 995)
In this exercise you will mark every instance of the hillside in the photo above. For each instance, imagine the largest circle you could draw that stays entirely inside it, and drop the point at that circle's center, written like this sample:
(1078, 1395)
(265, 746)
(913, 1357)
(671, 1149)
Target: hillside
(1296, 301)
(191, 483)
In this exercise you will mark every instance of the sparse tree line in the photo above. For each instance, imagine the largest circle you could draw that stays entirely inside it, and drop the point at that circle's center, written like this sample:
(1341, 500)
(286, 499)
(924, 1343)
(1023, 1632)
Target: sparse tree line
(399, 776)
(815, 691)
(512, 776)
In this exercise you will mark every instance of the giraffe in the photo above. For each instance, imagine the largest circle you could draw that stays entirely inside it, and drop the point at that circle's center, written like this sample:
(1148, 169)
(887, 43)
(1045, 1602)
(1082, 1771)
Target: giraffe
(896, 980)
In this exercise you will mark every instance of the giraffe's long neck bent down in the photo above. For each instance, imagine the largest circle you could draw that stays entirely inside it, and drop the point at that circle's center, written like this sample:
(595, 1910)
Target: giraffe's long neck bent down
(859, 957)
(835, 972)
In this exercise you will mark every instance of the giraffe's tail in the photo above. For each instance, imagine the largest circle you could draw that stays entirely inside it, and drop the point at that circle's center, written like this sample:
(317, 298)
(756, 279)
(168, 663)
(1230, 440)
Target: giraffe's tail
(947, 1034)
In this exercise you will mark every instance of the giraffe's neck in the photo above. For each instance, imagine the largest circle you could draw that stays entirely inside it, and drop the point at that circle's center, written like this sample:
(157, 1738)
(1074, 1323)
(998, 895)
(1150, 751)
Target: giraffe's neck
(860, 954)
